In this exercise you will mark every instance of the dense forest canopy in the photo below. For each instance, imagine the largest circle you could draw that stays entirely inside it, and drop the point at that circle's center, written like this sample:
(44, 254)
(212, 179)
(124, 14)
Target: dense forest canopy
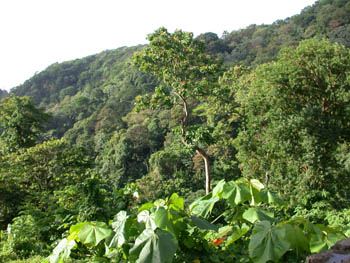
(189, 149)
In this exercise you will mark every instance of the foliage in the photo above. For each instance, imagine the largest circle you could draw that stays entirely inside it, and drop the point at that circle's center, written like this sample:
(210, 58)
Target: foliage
(186, 73)
(295, 142)
(89, 98)
(47, 166)
(164, 232)
(296, 114)
(20, 124)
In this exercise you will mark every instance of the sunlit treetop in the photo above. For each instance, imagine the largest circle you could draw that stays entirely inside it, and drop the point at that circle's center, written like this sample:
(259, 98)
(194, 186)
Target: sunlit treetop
(182, 66)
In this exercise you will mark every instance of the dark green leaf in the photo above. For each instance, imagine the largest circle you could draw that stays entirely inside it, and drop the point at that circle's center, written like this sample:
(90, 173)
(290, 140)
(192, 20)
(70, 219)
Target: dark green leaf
(267, 242)
(203, 224)
(296, 237)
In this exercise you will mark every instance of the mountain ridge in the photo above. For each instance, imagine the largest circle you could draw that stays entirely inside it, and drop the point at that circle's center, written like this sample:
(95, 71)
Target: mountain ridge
(84, 91)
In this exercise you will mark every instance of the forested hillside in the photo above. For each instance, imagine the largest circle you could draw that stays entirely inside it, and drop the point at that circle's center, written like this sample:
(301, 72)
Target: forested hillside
(184, 150)
(257, 44)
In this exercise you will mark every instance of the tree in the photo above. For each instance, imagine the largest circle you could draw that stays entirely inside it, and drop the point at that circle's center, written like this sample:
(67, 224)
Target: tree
(20, 123)
(32, 176)
(296, 122)
(186, 73)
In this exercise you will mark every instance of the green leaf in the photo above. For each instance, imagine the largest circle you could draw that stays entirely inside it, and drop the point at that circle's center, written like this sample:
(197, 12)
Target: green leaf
(267, 242)
(271, 198)
(238, 232)
(323, 237)
(203, 206)
(235, 193)
(175, 202)
(161, 218)
(165, 220)
(203, 224)
(146, 206)
(177, 222)
(296, 238)
(257, 184)
(157, 246)
(119, 227)
(93, 232)
(317, 244)
(74, 231)
(61, 251)
(218, 189)
(255, 214)
(147, 218)
(255, 188)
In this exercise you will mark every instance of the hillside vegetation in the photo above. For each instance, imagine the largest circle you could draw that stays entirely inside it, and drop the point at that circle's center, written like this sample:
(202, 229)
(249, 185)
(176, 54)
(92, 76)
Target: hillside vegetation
(207, 149)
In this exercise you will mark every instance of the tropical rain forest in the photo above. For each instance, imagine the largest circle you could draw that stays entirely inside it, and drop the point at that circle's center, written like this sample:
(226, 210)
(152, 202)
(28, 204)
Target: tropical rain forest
(188, 149)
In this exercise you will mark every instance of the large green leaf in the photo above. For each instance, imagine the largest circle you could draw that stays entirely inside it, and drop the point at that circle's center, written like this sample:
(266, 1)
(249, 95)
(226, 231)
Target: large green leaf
(296, 237)
(162, 219)
(93, 232)
(74, 231)
(147, 218)
(203, 224)
(235, 193)
(267, 242)
(204, 205)
(61, 251)
(119, 227)
(255, 214)
(157, 246)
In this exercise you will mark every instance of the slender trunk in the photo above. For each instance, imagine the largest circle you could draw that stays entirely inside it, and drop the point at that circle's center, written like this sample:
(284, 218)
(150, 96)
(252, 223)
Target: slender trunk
(199, 151)
(205, 158)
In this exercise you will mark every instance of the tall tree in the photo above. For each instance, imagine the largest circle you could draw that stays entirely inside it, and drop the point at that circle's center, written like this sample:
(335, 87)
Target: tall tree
(185, 72)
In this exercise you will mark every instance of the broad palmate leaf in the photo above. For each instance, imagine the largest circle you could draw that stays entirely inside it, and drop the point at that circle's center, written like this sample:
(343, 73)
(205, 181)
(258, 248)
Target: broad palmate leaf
(267, 242)
(93, 232)
(204, 205)
(119, 227)
(154, 246)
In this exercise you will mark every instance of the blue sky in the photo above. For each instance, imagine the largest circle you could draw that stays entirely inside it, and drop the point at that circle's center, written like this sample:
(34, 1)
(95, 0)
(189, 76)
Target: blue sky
(37, 33)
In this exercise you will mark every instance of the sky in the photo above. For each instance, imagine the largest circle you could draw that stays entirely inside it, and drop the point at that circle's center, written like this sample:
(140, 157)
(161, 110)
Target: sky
(37, 33)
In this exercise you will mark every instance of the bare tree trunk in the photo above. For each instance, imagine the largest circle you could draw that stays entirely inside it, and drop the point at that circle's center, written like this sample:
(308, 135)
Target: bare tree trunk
(199, 151)
(205, 158)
